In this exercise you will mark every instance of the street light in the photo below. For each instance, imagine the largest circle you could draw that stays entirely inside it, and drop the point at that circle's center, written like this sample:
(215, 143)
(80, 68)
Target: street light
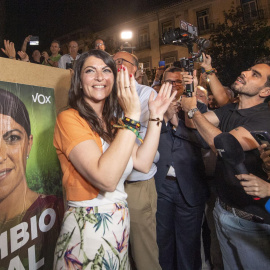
(126, 37)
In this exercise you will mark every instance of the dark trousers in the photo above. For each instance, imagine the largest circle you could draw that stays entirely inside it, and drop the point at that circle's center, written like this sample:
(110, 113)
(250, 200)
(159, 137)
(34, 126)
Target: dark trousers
(178, 229)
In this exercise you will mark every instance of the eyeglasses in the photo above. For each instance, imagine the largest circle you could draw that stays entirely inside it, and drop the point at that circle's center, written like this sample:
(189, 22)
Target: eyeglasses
(119, 61)
(176, 83)
(99, 44)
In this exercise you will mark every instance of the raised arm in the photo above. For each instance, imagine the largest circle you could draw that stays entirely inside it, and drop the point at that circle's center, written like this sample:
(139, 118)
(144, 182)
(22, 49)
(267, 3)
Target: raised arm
(217, 88)
(104, 170)
(208, 122)
(24, 45)
(9, 49)
(143, 156)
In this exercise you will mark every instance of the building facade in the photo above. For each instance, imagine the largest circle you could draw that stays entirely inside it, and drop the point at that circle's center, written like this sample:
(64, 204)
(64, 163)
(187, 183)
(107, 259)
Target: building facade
(148, 29)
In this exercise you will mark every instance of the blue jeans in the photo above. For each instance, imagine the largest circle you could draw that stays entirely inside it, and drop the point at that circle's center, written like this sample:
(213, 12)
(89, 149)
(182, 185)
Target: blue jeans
(244, 244)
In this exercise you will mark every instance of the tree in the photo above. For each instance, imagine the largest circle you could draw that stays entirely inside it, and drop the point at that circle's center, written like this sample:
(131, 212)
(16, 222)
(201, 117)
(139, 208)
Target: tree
(237, 43)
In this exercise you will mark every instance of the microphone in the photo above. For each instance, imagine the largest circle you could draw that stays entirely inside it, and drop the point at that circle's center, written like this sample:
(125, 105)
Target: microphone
(231, 151)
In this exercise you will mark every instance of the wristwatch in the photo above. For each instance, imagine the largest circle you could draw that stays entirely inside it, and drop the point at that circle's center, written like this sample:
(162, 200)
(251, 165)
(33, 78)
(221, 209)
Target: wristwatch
(191, 112)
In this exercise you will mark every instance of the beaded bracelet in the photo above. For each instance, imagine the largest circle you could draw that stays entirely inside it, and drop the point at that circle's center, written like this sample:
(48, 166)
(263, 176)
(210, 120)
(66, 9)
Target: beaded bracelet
(211, 71)
(129, 127)
(132, 123)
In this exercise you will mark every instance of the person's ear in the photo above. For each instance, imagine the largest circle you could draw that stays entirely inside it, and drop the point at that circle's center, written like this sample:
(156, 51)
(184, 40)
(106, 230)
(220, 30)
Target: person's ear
(265, 92)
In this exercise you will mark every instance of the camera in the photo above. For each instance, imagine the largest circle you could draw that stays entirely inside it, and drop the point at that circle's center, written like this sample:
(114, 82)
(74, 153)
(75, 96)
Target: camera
(69, 65)
(186, 35)
(34, 41)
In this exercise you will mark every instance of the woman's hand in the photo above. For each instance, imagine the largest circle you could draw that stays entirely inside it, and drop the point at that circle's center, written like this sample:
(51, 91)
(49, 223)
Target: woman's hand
(127, 94)
(160, 105)
(9, 50)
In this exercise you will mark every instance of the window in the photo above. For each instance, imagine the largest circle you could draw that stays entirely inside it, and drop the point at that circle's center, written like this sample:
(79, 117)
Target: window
(144, 38)
(203, 20)
(166, 26)
(146, 62)
(249, 9)
(169, 61)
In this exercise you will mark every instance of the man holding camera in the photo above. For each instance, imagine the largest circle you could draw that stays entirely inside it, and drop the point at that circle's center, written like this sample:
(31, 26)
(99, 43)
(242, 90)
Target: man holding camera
(181, 186)
(68, 61)
(242, 223)
(52, 60)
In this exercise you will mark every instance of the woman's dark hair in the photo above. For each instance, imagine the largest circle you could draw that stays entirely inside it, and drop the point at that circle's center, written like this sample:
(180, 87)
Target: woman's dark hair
(111, 111)
(12, 106)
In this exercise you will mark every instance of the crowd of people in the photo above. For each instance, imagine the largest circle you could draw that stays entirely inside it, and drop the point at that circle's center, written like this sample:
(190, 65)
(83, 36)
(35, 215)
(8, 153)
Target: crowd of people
(140, 163)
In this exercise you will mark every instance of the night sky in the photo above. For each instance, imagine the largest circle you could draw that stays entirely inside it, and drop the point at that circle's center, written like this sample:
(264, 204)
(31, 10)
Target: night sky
(50, 19)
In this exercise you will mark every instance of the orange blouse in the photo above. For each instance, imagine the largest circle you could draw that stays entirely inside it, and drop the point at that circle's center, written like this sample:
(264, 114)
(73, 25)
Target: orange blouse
(70, 130)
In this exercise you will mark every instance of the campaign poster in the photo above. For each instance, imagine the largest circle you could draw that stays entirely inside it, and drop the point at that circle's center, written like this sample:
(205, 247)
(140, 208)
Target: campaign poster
(31, 200)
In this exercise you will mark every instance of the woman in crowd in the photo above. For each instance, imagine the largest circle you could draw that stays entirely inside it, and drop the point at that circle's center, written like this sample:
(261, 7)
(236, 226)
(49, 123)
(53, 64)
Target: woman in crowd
(18, 203)
(97, 153)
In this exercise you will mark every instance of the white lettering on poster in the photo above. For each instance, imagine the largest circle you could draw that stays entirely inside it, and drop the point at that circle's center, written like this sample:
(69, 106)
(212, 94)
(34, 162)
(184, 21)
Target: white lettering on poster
(42, 226)
(41, 99)
(20, 235)
(16, 264)
(33, 265)
(3, 245)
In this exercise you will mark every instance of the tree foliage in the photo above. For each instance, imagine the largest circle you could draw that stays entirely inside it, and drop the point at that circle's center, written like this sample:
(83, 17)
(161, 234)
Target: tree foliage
(237, 43)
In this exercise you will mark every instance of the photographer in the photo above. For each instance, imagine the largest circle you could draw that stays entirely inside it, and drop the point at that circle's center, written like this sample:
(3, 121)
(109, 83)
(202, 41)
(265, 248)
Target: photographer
(242, 223)
(181, 185)
(52, 60)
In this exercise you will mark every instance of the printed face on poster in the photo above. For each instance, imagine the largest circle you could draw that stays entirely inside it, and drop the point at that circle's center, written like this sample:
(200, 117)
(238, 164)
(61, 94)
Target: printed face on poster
(31, 204)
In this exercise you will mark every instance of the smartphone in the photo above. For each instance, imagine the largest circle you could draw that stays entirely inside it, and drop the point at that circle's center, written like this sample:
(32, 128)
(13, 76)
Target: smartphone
(34, 40)
(69, 66)
(262, 137)
(141, 68)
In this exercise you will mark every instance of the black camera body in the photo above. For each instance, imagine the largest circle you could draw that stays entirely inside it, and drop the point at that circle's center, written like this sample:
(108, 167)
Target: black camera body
(186, 35)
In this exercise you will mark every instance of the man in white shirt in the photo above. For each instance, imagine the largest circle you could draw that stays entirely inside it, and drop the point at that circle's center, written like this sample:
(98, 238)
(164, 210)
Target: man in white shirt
(140, 187)
(68, 61)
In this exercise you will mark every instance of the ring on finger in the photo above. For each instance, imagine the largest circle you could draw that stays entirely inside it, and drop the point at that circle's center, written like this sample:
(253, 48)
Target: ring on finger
(127, 87)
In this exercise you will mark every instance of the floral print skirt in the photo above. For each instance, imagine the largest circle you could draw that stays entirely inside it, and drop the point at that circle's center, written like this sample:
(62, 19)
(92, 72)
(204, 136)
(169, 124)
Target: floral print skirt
(94, 238)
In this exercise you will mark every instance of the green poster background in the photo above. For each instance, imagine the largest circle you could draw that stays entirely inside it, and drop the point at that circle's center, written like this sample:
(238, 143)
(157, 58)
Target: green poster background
(27, 241)
(43, 170)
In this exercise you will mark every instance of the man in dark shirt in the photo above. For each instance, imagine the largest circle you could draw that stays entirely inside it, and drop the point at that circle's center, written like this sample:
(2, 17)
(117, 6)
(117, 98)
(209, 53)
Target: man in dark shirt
(181, 187)
(242, 223)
